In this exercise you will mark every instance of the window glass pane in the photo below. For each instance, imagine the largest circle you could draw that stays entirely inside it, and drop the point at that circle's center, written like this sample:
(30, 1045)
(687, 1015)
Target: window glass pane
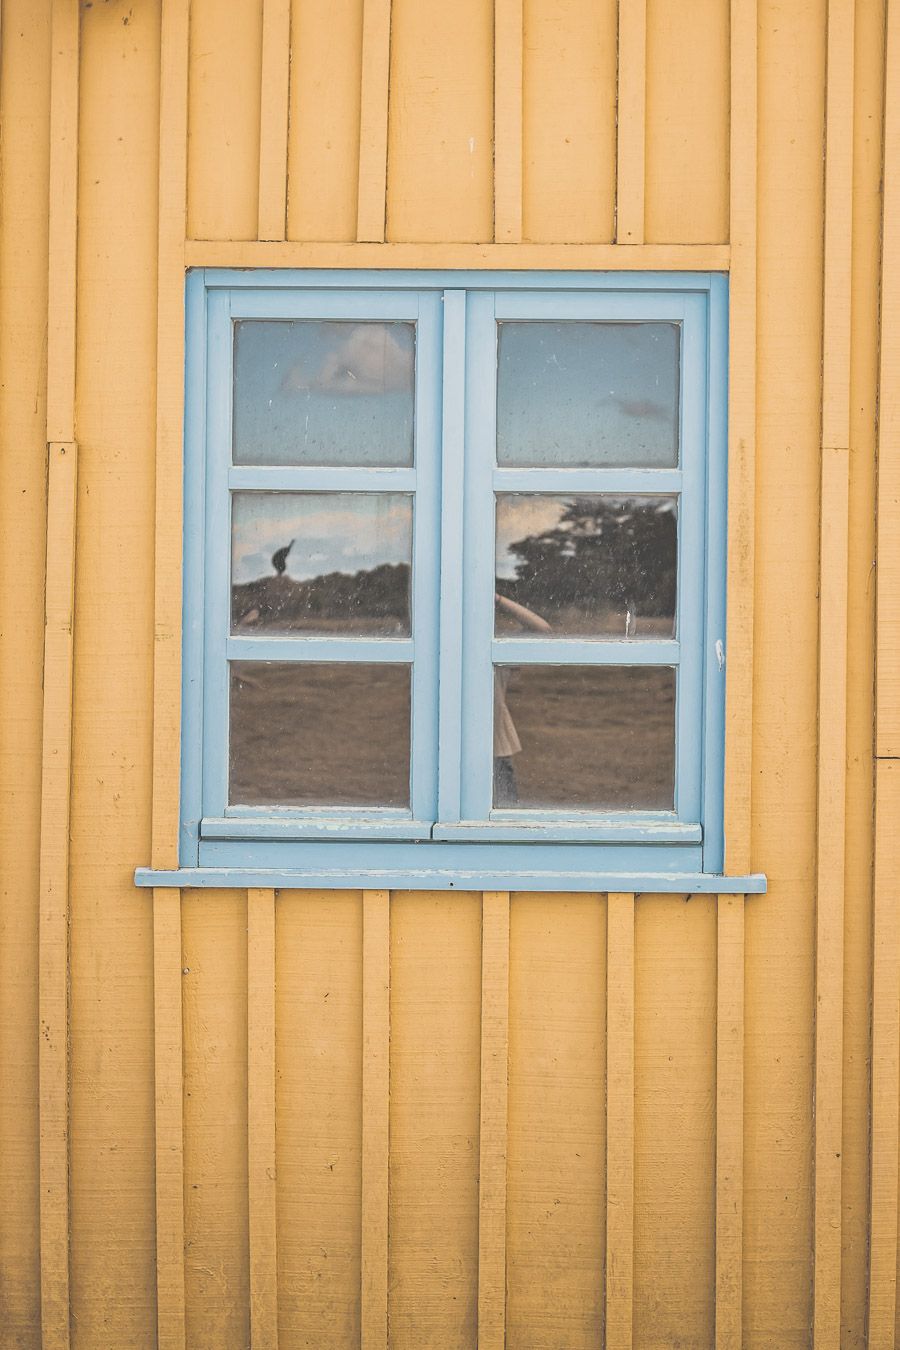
(311, 734)
(315, 391)
(586, 737)
(588, 566)
(321, 563)
(587, 394)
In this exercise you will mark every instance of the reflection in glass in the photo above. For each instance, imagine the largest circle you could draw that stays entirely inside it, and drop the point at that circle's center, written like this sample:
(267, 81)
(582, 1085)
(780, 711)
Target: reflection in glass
(585, 737)
(588, 566)
(310, 734)
(321, 563)
(315, 391)
(578, 393)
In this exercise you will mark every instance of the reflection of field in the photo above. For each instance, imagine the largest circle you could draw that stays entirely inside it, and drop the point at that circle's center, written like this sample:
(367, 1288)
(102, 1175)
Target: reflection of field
(571, 621)
(594, 736)
(309, 734)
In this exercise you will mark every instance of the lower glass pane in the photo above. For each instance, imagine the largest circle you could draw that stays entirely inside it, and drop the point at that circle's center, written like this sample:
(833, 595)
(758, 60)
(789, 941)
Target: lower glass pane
(585, 737)
(314, 734)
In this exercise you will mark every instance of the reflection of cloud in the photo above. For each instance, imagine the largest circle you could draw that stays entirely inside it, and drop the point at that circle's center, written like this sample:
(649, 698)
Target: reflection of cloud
(369, 360)
(331, 532)
(643, 408)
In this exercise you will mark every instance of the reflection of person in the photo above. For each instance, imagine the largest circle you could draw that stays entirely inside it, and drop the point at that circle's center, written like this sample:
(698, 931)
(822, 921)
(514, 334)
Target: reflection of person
(506, 740)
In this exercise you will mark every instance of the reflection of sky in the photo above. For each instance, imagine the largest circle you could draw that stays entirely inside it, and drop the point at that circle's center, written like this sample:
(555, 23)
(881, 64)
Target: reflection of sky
(311, 391)
(522, 515)
(333, 532)
(588, 393)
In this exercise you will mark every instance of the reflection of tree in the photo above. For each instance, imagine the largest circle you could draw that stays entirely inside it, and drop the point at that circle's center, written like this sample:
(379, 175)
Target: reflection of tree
(376, 593)
(604, 553)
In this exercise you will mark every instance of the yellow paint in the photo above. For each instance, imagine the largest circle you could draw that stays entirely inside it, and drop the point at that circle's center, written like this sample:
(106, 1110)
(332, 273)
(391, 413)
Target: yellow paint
(343, 1118)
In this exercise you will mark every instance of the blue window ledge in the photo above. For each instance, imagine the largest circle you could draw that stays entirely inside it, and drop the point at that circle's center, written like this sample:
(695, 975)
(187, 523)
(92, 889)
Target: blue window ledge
(453, 878)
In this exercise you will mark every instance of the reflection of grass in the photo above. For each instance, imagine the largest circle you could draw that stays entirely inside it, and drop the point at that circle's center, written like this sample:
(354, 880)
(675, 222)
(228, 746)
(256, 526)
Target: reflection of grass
(310, 734)
(594, 737)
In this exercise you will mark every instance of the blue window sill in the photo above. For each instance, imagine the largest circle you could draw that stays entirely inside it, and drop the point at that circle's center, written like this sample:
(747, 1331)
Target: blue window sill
(445, 878)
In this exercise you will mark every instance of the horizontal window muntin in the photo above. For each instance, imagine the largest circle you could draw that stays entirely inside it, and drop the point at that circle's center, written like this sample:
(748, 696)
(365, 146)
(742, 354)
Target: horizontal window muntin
(685, 655)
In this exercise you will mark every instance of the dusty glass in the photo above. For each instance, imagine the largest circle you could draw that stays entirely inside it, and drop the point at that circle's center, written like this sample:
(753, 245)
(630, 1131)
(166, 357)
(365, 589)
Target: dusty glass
(584, 737)
(319, 734)
(321, 563)
(586, 566)
(586, 394)
(323, 392)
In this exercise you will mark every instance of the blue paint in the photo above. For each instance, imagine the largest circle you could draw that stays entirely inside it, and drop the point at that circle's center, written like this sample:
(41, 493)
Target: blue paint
(451, 831)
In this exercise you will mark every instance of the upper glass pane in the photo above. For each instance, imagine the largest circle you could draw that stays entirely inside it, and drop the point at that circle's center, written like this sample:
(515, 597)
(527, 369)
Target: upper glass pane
(324, 392)
(588, 566)
(578, 394)
(321, 563)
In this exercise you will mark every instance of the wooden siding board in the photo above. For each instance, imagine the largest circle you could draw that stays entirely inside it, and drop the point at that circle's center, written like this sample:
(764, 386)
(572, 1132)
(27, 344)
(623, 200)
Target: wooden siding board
(375, 1117)
(508, 97)
(527, 256)
(373, 120)
(729, 1180)
(631, 109)
(324, 128)
(494, 1126)
(556, 1164)
(169, 1120)
(25, 63)
(261, 1118)
(569, 121)
(273, 119)
(620, 1141)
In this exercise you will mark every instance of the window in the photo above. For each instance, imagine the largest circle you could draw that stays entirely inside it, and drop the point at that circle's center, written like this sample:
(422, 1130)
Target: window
(454, 584)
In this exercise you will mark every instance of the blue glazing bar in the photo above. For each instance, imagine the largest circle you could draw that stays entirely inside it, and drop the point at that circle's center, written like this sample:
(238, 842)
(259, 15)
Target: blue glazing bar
(618, 482)
(301, 478)
(302, 648)
(451, 567)
(577, 652)
(426, 878)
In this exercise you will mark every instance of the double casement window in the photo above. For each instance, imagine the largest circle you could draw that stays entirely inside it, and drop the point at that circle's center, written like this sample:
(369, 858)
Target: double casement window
(455, 575)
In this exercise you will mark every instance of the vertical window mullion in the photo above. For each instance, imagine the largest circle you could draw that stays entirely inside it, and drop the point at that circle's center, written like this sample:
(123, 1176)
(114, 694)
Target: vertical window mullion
(478, 672)
(452, 585)
(218, 554)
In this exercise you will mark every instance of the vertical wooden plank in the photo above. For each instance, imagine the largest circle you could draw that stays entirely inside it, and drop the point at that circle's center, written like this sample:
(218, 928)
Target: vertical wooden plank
(741, 436)
(173, 104)
(25, 63)
(440, 130)
(56, 758)
(887, 713)
(631, 124)
(508, 58)
(494, 1122)
(833, 603)
(620, 1122)
(273, 119)
(63, 221)
(687, 122)
(373, 121)
(56, 765)
(169, 1098)
(224, 92)
(261, 1117)
(885, 1062)
(556, 1164)
(376, 1092)
(885, 1126)
(729, 1122)
(569, 121)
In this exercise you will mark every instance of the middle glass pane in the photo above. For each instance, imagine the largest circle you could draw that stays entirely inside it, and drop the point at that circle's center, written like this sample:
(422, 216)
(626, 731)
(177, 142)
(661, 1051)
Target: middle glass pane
(320, 564)
(587, 566)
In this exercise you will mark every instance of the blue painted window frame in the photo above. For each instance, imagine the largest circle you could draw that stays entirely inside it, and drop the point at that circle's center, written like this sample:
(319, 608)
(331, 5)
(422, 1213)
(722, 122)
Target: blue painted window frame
(451, 828)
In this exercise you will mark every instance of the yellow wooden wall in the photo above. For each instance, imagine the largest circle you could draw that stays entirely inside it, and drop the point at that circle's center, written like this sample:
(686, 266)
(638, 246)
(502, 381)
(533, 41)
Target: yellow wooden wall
(326, 1120)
